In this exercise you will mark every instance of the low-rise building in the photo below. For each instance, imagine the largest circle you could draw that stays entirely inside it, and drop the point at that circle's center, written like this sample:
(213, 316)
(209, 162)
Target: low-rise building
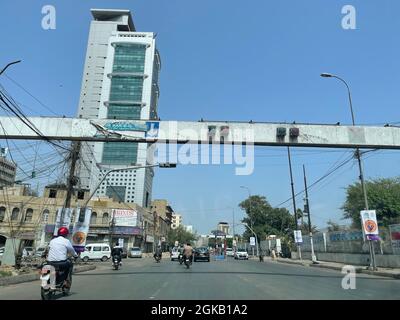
(162, 215)
(224, 227)
(32, 219)
(8, 171)
(177, 220)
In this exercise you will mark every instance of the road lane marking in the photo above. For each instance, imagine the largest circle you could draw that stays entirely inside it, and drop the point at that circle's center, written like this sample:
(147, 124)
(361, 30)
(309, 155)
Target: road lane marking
(158, 290)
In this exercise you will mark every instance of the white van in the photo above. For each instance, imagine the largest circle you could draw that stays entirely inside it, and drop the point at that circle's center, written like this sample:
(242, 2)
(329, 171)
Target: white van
(96, 251)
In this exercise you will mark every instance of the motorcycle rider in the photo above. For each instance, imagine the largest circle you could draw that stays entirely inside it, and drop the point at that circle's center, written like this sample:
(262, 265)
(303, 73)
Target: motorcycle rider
(116, 252)
(58, 250)
(188, 251)
(158, 253)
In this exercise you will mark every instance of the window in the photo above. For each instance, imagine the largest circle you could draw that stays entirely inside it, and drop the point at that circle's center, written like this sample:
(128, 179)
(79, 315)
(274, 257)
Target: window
(2, 213)
(29, 215)
(106, 248)
(96, 248)
(93, 218)
(52, 193)
(88, 248)
(15, 214)
(105, 218)
(81, 195)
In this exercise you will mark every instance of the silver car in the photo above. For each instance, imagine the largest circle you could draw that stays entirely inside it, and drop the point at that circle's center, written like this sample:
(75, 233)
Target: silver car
(135, 252)
(241, 254)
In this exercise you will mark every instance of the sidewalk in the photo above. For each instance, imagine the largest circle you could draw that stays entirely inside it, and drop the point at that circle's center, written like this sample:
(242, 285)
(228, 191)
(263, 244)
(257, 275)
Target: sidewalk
(5, 281)
(382, 272)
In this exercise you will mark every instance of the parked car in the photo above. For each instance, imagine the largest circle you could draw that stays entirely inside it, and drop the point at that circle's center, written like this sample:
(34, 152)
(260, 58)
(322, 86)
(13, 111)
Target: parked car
(229, 252)
(96, 251)
(201, 253)
(175, 254)
(241, 254)
(135, 252)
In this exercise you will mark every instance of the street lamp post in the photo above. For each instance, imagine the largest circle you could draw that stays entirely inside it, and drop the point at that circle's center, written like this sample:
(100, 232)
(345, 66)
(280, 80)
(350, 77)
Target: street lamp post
(9, 64)
(112, 224)
(358, 156)
(160, 165)
(255, 236)
(251, 220)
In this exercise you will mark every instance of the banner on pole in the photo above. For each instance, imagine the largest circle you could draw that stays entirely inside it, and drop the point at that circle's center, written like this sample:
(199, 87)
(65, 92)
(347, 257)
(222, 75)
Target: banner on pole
(81, 229)
(66, 219)
(369, 222)
(298, 237)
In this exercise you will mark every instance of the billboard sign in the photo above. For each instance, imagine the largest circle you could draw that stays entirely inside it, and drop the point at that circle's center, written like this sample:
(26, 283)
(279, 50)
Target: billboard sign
(369, 222)
(81, 229)
(126, 218)
(252, 241)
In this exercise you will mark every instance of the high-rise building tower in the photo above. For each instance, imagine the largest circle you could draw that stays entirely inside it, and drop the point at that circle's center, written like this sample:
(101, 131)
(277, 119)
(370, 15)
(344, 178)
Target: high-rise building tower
(120, 82)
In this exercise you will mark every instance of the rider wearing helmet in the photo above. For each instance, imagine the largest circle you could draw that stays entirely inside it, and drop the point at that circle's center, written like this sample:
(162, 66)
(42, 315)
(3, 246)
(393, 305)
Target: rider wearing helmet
(59, 247)
(116, 252)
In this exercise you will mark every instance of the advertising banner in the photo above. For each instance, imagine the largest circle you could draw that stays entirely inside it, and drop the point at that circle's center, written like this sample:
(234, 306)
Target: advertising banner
(66, 219)
(126, 218)
(81, 229)
(297, 236)
(252, 241)
(369, 222)
(395, 237)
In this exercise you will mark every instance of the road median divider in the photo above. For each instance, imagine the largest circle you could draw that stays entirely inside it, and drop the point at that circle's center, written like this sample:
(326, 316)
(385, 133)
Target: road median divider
(6, 281)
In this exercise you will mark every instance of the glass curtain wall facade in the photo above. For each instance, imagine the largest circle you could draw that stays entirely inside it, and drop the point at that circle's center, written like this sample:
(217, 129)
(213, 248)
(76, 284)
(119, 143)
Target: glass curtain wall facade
(125, 99)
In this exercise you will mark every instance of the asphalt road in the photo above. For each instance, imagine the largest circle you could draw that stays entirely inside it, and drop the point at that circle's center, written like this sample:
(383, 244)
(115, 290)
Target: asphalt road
(143, 279)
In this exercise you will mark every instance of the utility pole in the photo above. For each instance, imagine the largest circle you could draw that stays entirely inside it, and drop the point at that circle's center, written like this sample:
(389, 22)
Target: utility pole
(111, 233)
(307, 210)
(71, 182)
(233, 226)
(294, 199)
(372, 265)
(76, 146)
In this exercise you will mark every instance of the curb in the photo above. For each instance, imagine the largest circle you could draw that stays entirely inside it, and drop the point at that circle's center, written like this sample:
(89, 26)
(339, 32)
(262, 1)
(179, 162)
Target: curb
(35, 276)
(358, 269)
(382, 274)
(292, 262)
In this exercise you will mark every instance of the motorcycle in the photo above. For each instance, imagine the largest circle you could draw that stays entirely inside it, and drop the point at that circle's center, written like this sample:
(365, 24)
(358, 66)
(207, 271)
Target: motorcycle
(188, 262)
(116, 263)
(180, 258)
(157, 257)
(54, 280)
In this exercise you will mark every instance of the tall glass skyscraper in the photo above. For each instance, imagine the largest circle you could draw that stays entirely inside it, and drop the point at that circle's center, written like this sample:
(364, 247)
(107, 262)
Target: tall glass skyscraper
(120, 82)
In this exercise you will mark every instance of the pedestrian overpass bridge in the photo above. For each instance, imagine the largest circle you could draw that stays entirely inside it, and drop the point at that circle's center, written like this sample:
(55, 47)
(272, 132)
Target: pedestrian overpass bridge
(201, 132)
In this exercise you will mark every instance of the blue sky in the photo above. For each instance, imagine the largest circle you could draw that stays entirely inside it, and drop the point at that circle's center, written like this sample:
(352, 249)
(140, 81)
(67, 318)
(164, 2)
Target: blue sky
(232, 60)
